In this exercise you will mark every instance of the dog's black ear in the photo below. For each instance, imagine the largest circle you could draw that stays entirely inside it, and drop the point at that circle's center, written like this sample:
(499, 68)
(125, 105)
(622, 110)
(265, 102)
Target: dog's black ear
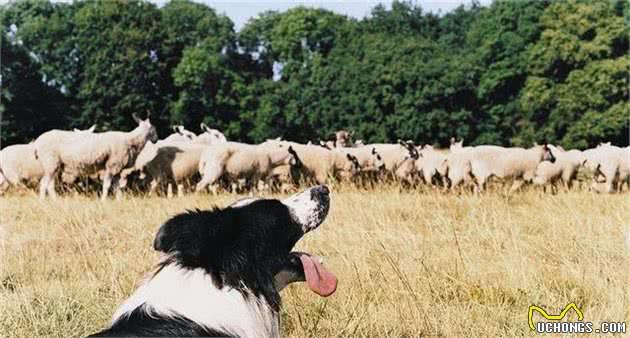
(182, 234)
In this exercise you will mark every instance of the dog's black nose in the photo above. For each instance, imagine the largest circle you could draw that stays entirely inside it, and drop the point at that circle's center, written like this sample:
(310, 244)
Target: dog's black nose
(322, 189)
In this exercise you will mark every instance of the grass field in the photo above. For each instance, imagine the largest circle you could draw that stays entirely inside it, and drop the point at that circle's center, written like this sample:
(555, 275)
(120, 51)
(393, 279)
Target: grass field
(408, 263)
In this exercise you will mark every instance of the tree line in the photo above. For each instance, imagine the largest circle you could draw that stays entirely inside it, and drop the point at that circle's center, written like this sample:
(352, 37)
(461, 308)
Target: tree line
(511, 73)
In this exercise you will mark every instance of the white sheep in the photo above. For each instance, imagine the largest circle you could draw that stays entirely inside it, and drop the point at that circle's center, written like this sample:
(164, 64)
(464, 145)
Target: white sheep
(240, 161)
(180, 134)
(564, 169)
(321, 165)
(611, 162)
(172, 162)
(516, 163)
(105, 153)
(368, 158)
(19, 166)
(431, 163)
(398, 159)
(210, 136)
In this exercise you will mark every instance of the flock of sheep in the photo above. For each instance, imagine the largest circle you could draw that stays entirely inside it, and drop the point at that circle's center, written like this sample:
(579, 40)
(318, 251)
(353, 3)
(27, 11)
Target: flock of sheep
(210, 161)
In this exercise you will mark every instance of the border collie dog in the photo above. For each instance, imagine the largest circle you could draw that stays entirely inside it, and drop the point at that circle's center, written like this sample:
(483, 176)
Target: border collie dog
(222, 270)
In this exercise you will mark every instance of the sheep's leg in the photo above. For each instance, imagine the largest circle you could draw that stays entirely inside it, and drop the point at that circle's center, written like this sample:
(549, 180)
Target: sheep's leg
(43, 186)
(169, 190)
(481, 184)
(201, 185)
(207, 180)
(517, 185)
(4, 183)
(610, 186)
(50, 188)
(107, 183)
(116, 187)
(152, 186)
(180, 190)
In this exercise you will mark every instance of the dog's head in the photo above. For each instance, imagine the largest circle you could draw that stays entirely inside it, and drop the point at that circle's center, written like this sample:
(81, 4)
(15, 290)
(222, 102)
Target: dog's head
(249, 243)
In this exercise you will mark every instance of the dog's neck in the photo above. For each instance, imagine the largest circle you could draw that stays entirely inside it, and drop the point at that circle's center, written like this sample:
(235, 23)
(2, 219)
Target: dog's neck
(191, 293)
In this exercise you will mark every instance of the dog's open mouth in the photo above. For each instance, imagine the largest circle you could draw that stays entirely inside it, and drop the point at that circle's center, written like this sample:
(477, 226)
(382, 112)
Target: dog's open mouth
(319, 279)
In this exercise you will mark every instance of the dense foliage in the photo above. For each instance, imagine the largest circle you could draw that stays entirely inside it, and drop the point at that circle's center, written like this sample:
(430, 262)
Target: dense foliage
(513, 73)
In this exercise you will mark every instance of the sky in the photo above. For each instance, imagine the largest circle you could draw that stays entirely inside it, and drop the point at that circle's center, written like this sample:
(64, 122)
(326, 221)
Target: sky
(239, 11)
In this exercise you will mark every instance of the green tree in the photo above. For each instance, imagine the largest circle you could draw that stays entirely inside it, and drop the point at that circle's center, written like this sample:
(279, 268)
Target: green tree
(28, 105)
(578, 76)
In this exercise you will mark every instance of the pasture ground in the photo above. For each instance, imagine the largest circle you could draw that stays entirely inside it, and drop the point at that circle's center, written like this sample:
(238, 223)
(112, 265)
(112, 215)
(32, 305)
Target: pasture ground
(409, 263)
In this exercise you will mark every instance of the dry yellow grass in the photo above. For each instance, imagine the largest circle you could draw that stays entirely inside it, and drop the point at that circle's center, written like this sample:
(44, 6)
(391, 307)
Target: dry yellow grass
(408, 263)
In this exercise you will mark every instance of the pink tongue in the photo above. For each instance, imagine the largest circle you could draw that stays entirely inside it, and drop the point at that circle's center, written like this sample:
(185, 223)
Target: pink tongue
(319, 279)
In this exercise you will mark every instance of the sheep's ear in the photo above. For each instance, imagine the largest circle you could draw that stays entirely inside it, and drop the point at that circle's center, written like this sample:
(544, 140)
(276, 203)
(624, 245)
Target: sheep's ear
(136, 118)
(292, 151)
(452, 140)
(92, 128)
(76, 129)
(349, 157)
(351, 132)
(204, 127)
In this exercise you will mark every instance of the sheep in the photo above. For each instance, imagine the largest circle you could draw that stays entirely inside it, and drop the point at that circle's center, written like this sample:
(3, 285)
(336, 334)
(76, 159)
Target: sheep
(343, 139)
(398, 159)
(368, 158)
(611, 162)
(564, 169)
(170, 162)
(516, 163)
(19, 166)
(431, 163)
(235, 160)
(210, 136)
(320, 164)
(180, 135)
(105, 153)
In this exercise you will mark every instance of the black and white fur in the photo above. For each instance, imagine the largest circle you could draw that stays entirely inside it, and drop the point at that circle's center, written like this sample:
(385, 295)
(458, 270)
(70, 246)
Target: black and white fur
(222, 270)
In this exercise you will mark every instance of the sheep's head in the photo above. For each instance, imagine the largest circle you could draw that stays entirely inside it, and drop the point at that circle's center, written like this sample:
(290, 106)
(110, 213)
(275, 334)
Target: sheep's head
(352, 166)
(212, 136)
(411, 149)
(294, 159)
(179, 129)
(343, 138)
(455, 145)
(376, 160)
(146, 128)
(547, 154)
